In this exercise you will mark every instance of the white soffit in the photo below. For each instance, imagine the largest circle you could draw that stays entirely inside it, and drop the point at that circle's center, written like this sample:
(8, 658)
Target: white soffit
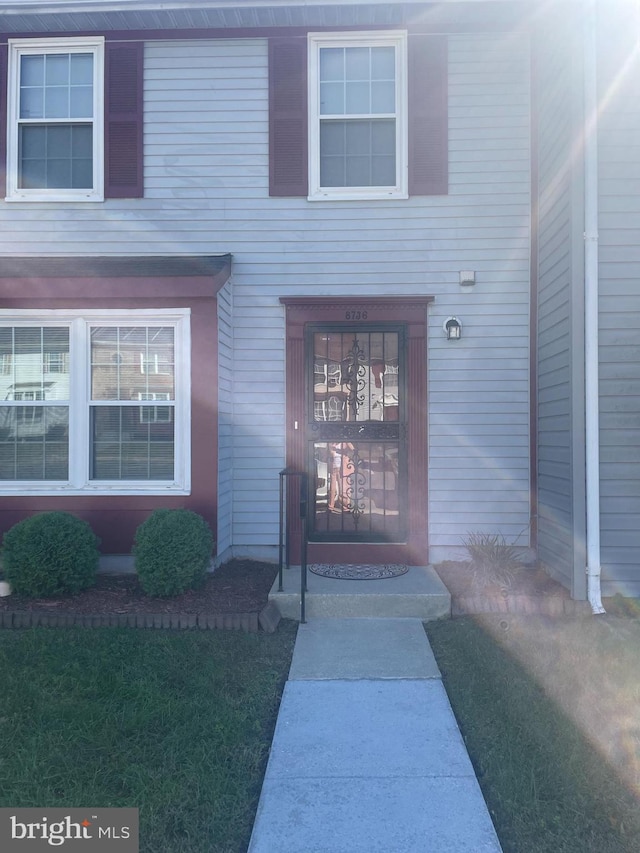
(67, 6)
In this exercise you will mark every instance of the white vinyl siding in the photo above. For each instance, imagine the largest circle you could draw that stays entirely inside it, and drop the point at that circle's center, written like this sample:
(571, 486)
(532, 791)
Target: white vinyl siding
(619, 334)
(560, 347)
(478, 386)
(225, 420)
(206, 192)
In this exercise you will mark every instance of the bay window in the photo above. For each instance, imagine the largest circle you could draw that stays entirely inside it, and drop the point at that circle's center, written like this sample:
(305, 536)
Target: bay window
(75, 411)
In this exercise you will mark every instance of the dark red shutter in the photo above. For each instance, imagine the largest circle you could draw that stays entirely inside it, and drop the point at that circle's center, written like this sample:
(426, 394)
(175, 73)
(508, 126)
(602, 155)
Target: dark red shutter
(4, 64)
(123, 127)
(428, 115)
(288, 166)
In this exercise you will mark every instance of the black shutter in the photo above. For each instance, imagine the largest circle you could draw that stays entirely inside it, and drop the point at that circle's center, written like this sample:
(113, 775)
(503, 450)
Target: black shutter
(428, 115)
(288, 164)
(123, 124)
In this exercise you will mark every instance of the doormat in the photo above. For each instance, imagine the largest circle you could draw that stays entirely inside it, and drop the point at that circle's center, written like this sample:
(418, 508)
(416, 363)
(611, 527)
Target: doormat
(358, 572)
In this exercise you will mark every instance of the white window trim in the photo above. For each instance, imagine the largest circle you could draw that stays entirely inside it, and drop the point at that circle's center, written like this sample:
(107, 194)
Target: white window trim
(79, 322)
(21, 47)
(316, 41)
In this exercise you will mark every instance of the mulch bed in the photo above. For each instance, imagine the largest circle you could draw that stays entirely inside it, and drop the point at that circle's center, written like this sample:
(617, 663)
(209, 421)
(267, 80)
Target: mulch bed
(531, 590)
(234, 596)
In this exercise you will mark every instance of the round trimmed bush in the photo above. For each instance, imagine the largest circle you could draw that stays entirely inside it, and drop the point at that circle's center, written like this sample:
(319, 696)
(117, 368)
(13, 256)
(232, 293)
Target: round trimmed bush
(172, 551)
(50, 554)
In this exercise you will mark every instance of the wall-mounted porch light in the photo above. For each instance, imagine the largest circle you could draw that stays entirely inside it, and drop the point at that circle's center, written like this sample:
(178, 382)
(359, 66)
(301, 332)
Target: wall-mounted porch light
(452, 328)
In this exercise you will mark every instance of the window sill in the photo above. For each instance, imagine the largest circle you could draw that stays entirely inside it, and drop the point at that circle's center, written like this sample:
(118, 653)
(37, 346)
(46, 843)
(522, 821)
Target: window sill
(21, 490)
(57, 197)
(357, 195)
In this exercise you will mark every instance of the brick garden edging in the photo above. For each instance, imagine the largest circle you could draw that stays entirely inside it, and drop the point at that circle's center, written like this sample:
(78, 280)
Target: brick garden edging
(266, 620)
(549, 605)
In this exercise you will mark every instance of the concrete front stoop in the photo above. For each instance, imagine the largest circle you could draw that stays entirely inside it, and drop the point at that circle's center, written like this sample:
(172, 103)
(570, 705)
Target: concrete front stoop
(418, 594)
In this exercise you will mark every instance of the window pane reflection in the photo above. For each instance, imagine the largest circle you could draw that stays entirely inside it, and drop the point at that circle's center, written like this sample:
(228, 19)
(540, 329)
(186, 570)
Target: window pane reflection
(127, 362)
(132, 443)
(34, 443)
(356, 488)
(355, 376)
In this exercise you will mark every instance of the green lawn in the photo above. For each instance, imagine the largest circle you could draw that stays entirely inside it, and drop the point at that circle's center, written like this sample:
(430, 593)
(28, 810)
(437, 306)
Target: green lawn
(176, 724)
(179, 725)
(550, 712)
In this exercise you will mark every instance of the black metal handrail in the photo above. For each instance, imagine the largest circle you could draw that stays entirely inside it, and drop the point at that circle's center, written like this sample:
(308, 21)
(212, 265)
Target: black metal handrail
(284, 540)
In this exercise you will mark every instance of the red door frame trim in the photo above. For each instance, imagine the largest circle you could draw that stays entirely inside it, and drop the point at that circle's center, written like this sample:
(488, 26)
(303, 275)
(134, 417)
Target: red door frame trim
(410, 311)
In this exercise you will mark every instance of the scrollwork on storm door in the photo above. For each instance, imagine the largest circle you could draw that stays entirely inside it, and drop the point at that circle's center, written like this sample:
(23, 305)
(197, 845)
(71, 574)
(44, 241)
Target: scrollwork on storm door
(353, 494)
(355, 373)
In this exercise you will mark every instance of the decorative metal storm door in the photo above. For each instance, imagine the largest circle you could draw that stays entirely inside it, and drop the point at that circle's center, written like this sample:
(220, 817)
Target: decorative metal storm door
(356, 433)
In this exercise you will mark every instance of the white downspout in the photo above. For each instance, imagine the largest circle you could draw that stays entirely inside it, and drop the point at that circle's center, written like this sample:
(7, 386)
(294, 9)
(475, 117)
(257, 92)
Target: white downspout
(592, 417)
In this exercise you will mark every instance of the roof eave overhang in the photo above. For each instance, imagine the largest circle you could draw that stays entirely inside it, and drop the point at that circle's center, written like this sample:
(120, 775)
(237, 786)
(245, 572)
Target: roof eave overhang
(113, 277)
(256, 15)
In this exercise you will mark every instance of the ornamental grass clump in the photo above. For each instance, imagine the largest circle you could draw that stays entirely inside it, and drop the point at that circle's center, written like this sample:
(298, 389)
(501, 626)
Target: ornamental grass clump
(493, 560)
(50, 554)
(172, 551)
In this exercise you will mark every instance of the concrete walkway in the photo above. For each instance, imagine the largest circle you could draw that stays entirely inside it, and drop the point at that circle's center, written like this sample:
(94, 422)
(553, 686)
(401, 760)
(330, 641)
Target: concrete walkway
(367, 756)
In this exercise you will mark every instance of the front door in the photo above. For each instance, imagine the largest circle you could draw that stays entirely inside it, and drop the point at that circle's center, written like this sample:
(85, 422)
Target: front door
(357, 424)
(356, 433)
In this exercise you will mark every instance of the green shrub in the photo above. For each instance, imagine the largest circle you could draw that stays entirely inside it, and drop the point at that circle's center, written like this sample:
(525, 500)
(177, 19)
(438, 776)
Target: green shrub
(50, 554)
(493, 560)
(172, 551)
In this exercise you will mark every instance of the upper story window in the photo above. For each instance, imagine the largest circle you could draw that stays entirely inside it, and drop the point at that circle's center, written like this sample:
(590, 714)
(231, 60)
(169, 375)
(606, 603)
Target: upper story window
(411, 97)
(56, 105)
(357, 115)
